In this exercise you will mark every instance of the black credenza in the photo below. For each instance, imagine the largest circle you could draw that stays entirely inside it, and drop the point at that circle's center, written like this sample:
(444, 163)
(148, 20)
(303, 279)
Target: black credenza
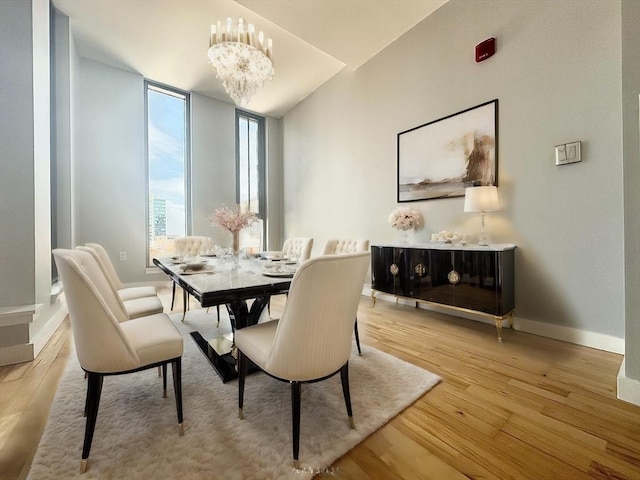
(473, 278)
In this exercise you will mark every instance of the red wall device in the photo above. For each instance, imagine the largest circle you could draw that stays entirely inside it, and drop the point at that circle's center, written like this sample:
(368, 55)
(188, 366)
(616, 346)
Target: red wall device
(485, 49)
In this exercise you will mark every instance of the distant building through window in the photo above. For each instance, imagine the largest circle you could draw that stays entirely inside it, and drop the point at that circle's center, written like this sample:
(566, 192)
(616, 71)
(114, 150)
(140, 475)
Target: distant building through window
(159, 220)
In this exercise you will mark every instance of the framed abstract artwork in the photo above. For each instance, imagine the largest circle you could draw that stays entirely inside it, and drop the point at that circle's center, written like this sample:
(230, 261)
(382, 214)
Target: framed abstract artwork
(441, 158)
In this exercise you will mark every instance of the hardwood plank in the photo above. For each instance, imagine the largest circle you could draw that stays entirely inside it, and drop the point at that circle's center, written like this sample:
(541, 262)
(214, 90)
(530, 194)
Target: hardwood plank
(565, 444)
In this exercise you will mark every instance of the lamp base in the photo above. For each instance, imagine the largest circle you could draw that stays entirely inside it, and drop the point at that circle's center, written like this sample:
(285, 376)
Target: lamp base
(482, 239)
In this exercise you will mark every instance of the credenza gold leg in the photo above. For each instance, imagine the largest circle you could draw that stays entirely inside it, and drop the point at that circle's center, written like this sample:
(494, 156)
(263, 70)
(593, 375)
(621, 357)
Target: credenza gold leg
(499, 327)
(510, 319)
(373, 297)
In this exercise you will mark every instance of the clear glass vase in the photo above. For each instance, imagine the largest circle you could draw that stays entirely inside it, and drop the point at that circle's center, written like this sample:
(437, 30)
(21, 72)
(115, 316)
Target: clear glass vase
(404, 237)
(235, 251)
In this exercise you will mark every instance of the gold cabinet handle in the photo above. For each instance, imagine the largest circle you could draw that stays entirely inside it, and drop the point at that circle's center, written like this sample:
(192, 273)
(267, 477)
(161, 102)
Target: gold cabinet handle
(394, 269)
(420, 269)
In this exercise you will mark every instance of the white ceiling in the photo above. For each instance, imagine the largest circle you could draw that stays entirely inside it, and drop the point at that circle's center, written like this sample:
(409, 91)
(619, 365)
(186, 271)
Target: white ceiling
(167, 40)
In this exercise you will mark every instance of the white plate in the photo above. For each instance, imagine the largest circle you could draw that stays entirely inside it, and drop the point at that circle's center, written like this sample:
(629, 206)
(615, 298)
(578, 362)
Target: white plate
(184, 271)
(272, 255)
(278, 274)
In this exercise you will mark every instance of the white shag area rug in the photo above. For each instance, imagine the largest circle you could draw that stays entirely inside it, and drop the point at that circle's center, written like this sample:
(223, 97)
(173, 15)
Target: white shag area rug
(136, 434)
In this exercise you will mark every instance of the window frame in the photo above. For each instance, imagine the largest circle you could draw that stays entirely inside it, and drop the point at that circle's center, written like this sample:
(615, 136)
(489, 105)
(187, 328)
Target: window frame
(262, 180)
(186, 96)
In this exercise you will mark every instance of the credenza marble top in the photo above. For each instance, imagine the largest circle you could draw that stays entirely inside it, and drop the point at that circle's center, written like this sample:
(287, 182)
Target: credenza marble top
(496, 247)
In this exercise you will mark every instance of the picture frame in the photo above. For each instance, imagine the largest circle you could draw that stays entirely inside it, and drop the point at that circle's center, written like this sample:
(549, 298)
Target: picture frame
(441, 158)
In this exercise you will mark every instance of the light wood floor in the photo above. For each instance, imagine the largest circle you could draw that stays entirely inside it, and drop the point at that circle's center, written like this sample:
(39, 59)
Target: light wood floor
(529, 408)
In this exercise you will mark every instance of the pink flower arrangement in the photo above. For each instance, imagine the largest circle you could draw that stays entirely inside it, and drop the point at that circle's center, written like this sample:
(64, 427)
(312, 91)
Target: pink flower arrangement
(231, 220)
(404, 218)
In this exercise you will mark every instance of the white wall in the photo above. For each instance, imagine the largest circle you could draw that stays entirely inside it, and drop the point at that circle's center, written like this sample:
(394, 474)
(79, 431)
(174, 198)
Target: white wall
(631, 136)
(16, 155)
(28, 312)
(275, 180)
(63, 55)
(109, 165)
(556, 74)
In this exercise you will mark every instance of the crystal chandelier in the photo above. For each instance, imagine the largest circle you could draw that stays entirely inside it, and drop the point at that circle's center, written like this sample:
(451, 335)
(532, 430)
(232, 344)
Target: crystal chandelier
(242, 59)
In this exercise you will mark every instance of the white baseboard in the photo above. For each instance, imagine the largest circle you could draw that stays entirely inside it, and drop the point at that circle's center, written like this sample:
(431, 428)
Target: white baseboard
(585, 338)
(628, 388)
(15, 323)
(43, 335)
(26, 315)
(16, 354)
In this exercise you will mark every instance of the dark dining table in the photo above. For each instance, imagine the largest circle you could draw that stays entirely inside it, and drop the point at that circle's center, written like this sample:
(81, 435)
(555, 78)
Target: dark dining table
(242, 286)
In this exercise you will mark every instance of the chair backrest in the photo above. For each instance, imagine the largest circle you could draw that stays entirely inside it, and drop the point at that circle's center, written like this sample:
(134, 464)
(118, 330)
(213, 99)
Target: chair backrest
(95, 313)
(314, 333)
(106, 264)
(193, 245)
(339, 246)
(104, 285)
(299, 247)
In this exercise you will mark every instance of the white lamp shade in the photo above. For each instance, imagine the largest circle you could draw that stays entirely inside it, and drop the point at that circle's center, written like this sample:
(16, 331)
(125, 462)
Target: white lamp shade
(481, 199)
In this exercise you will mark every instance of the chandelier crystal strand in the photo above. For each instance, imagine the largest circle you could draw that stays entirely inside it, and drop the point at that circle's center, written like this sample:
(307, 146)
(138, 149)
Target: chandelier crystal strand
(242, 59)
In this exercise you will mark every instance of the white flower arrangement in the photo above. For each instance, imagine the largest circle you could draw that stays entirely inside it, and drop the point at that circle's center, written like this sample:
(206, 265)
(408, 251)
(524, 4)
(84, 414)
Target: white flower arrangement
(404, 218)
(446, 236)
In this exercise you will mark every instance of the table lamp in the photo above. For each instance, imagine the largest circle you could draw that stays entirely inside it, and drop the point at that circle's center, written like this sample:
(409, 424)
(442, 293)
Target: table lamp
(481, 199)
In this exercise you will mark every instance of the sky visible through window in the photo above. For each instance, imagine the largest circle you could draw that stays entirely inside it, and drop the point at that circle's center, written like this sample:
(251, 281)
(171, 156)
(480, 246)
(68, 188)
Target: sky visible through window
(166, 130)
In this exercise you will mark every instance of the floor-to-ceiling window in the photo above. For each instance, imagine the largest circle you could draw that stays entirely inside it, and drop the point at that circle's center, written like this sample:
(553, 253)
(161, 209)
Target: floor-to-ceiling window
(167, 131)
(250, 176)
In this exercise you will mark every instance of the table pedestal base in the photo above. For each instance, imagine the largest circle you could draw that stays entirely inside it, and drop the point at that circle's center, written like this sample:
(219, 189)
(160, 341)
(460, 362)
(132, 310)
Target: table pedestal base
(223, 363)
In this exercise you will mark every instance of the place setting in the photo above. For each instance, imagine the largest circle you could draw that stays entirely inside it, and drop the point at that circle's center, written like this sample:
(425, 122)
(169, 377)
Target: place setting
(277, 264)
(195, 266)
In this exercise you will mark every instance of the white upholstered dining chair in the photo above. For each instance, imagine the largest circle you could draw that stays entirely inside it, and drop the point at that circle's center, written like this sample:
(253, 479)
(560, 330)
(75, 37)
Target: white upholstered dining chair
(312, 339)
(106, 342)
(298, 248)
(134, 306)
(339, 246)
(125, 293)
(191, 246)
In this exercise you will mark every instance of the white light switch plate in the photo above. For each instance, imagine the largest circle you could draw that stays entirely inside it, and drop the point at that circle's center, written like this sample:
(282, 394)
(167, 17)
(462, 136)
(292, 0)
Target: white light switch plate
(568, 153)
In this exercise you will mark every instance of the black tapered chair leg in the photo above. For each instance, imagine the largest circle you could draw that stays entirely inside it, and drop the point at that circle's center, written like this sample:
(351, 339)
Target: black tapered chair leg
(176, 367)
(173, 295)
(164, 380)
(94, 390)
(86, 400)
(344, 377)
(355, 331)
(185, 303)
(296, 390)
(242, 374)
